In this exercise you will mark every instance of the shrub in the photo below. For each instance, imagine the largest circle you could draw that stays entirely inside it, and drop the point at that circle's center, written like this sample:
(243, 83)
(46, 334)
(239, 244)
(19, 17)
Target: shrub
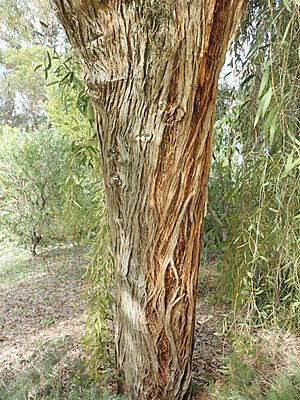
(33, 169)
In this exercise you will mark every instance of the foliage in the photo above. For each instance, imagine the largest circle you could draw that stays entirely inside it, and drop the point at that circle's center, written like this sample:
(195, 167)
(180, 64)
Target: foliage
(33, 170)
(224, 155)
(83, 195)
(75, 119)
(262, 272)
(30, 22)
(68, 107)
(251, 382)
(54, 375)
(22, 88)
(99, 282)
(255, 177)
(69, 111)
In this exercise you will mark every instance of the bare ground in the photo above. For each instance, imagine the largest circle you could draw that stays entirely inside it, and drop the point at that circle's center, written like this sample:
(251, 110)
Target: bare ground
(44, 305)
(41, 300)
(47, 304)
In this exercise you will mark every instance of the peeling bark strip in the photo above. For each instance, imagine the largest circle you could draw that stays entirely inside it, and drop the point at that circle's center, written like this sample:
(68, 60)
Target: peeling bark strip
(151, 68)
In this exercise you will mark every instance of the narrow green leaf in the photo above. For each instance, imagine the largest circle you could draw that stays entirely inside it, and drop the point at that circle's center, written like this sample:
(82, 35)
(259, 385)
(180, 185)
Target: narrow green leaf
(269, 119)
(37, 67)
(52, 83)
(290, 164)
(64, 79)
(245, 102)
(49, 64)
(273, 129)
(257, 116)
(293, 137)
(259, 112)
(286, 31)
(44, 24)
(264, 81)
(266, 101)
(38, 33)
(247, 79)
(271, 124)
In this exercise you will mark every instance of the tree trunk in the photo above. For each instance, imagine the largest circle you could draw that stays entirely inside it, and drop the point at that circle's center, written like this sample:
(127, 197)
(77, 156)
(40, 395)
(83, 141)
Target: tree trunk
(151, 68)
(35, 240)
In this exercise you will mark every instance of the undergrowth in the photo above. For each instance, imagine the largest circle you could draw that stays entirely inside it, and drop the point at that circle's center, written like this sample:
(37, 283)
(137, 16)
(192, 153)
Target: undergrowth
(99, 282)
(255, 180)
(53, 374)
(249, 382)
(263, 366)
(14, 266)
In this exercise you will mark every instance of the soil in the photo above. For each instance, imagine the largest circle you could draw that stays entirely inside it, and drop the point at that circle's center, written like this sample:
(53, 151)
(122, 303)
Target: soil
(210, 346)
(48, 304)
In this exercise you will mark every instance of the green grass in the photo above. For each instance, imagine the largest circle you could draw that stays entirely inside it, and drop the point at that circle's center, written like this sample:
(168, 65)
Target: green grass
(52, 374)
(248, 382)
(47, 321)
(15, 263)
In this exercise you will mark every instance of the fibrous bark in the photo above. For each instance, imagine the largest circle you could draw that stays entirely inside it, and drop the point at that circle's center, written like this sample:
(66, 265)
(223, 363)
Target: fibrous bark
(151, 69)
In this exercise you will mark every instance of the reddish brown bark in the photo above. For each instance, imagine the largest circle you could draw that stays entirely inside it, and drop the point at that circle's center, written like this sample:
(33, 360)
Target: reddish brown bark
(151, 68)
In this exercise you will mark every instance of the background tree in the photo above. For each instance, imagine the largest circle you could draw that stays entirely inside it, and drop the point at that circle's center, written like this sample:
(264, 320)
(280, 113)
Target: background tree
(33, 169)
(20, 26)
(22, 88)
(151, 70)
(47, 191)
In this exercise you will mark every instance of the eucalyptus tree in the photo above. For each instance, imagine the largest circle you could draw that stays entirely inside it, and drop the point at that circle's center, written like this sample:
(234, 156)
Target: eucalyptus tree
(151, 69)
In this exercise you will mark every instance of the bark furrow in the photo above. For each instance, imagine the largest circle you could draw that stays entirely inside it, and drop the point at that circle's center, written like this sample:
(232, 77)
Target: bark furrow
(151, 68)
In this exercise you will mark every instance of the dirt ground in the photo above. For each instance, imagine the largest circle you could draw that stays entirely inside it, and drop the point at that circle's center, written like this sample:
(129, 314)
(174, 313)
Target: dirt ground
(46, 303)
(43, 305)
(211, 346)
(41, 302)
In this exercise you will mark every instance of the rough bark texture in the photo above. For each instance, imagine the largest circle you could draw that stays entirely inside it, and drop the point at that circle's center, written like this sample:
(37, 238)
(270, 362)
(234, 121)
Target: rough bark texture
(151, 68)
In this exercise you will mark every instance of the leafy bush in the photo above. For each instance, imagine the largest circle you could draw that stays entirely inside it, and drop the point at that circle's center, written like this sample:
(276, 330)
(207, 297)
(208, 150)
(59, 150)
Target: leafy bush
(33, 169)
